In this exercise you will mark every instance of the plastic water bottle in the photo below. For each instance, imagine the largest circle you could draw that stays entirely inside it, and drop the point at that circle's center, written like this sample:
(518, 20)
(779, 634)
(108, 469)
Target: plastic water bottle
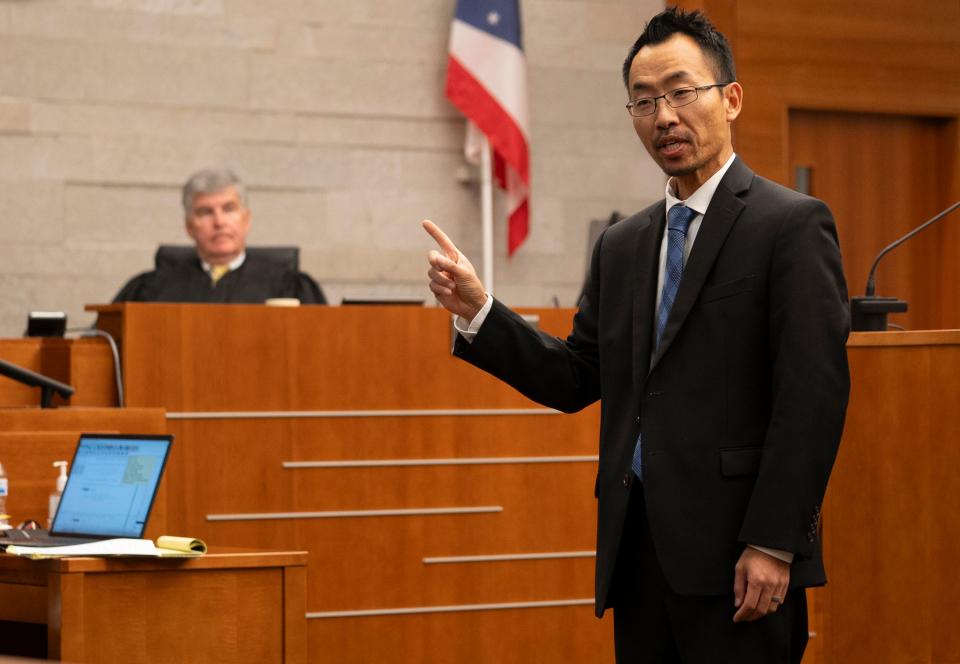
(4, 490)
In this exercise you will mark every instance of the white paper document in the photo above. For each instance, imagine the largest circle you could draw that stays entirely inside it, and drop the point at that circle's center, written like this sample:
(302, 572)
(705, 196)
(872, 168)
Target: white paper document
(110, 547)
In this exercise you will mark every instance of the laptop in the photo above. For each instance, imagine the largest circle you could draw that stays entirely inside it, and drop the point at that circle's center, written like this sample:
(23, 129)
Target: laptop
(110, 490)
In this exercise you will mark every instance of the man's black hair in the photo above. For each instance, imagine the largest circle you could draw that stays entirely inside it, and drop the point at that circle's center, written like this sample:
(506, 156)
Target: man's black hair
(695, 25)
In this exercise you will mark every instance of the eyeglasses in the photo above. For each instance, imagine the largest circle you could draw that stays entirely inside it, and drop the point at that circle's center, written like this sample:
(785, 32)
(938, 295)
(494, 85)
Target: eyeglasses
(638, 108)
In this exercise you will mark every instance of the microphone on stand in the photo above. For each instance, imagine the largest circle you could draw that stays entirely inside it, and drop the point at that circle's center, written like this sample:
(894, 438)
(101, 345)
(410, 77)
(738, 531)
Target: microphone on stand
(869, 312)
(48, 386)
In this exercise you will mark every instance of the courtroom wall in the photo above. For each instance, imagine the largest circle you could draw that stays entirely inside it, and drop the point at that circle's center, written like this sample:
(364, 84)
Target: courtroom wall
(866, 97)
(332, 110)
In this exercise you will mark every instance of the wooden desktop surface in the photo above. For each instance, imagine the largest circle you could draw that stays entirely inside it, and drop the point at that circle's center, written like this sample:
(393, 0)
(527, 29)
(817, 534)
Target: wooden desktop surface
(230, 605)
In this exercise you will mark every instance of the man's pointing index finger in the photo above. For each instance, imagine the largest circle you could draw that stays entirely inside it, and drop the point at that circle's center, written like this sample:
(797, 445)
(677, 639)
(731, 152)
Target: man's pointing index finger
(449, 248)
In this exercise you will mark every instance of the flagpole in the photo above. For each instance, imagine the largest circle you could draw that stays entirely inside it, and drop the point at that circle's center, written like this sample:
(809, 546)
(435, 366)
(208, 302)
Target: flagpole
(486, 195)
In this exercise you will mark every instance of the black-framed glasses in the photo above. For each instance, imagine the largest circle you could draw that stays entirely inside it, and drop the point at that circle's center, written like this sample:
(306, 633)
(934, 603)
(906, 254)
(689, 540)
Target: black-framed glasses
(676, 98)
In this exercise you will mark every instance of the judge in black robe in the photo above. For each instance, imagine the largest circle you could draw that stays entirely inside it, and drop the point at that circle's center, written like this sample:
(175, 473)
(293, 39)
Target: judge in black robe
(217, 219)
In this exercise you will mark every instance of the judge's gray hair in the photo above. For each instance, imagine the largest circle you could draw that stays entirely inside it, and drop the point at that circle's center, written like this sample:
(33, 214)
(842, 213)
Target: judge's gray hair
(210, 181)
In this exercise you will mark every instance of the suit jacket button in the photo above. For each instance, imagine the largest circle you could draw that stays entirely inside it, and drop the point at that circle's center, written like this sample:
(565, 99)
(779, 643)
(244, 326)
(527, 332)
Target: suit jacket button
(627, 479)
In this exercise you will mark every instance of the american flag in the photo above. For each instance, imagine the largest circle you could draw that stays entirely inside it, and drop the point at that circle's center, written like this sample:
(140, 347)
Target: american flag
(487, 81)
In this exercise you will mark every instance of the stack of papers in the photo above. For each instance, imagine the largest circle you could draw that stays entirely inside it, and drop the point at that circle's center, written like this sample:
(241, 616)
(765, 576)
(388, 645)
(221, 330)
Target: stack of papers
(167, 546)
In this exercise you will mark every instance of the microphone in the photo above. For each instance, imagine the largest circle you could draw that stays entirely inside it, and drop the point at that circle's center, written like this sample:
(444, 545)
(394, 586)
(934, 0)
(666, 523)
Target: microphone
(869, 312)
(47, 385)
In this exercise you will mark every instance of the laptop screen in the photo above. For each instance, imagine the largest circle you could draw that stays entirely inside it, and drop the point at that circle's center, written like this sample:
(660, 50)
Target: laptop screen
(111, 485)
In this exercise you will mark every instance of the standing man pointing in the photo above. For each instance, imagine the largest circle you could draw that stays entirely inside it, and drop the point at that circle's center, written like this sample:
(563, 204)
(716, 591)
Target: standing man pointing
(713, 328)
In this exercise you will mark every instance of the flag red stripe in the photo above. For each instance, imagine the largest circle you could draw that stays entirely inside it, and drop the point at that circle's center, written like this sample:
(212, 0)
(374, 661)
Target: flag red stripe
(499, 170)
(475, 102)
(518, 226)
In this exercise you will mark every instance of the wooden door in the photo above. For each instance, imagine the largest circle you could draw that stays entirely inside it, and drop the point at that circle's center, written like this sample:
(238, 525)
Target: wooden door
(883, 175)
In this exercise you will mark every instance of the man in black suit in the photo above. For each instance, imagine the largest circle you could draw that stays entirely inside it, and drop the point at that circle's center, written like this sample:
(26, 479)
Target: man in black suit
(713, 329)
(217, 219)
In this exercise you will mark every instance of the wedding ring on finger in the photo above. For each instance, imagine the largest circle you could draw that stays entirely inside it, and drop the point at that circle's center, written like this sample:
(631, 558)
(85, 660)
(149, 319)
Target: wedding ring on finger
(776, 599)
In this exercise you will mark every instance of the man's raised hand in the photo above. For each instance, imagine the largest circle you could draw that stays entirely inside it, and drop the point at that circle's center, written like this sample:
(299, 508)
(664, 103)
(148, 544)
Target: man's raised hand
(453, 280)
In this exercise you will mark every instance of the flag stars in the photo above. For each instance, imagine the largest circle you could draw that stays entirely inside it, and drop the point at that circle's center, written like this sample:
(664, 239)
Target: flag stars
(493, 18)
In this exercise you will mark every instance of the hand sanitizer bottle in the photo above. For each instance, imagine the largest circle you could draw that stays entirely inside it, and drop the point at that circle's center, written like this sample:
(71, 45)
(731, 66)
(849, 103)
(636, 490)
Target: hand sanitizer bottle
(55, 496)
(4, 490)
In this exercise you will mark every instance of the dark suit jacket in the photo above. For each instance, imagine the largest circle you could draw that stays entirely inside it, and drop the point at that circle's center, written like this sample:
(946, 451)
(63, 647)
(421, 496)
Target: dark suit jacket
(742, 406)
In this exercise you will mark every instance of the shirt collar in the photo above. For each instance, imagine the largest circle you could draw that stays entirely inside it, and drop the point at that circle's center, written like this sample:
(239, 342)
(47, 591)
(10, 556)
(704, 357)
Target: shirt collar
(233, 265)
(699, 200)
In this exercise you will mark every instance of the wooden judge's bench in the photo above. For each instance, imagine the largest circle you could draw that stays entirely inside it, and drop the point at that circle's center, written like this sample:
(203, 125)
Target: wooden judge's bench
(447, 518)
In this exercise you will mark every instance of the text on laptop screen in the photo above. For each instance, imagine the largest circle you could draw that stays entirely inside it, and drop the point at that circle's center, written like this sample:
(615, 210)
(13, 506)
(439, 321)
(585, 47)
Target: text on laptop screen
(111, 486)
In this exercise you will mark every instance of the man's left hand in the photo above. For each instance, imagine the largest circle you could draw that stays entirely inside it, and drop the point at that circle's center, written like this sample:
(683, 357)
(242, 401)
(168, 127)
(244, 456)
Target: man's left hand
(759, 579)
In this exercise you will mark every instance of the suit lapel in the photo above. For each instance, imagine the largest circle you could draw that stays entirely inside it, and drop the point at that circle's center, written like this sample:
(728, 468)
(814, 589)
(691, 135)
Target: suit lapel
(646, 265)
(723, 211)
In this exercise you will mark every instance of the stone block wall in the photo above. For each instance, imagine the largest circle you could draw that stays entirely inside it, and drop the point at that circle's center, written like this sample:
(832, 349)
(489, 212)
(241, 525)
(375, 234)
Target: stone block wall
(331, 110)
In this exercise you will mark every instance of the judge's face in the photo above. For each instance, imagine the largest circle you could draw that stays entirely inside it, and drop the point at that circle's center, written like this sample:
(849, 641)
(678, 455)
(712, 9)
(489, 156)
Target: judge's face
(218, 224)
(693, 141)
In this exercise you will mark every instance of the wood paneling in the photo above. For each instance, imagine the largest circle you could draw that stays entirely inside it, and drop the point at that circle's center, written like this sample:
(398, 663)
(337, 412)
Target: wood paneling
(251, 357)
(369, 562)
(879, 190)
(228, 606)
(503, 637)
(24, 353)
(344, 362)
(891, 528)
(893, 57)
(84, 364)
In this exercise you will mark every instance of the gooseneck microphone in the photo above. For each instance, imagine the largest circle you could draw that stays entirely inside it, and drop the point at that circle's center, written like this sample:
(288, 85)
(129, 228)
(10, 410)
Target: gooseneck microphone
(48, 386)
(869, 313)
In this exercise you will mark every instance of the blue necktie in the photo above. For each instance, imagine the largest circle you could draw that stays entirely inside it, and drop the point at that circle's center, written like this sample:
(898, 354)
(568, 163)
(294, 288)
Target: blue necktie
(678, 221)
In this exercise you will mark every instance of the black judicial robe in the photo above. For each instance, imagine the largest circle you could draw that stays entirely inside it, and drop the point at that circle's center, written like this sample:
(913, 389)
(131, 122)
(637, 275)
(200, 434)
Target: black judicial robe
(254, 282)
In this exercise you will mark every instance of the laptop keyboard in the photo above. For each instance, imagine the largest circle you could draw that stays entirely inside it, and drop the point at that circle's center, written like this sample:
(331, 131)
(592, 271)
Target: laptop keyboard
(42, 538)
